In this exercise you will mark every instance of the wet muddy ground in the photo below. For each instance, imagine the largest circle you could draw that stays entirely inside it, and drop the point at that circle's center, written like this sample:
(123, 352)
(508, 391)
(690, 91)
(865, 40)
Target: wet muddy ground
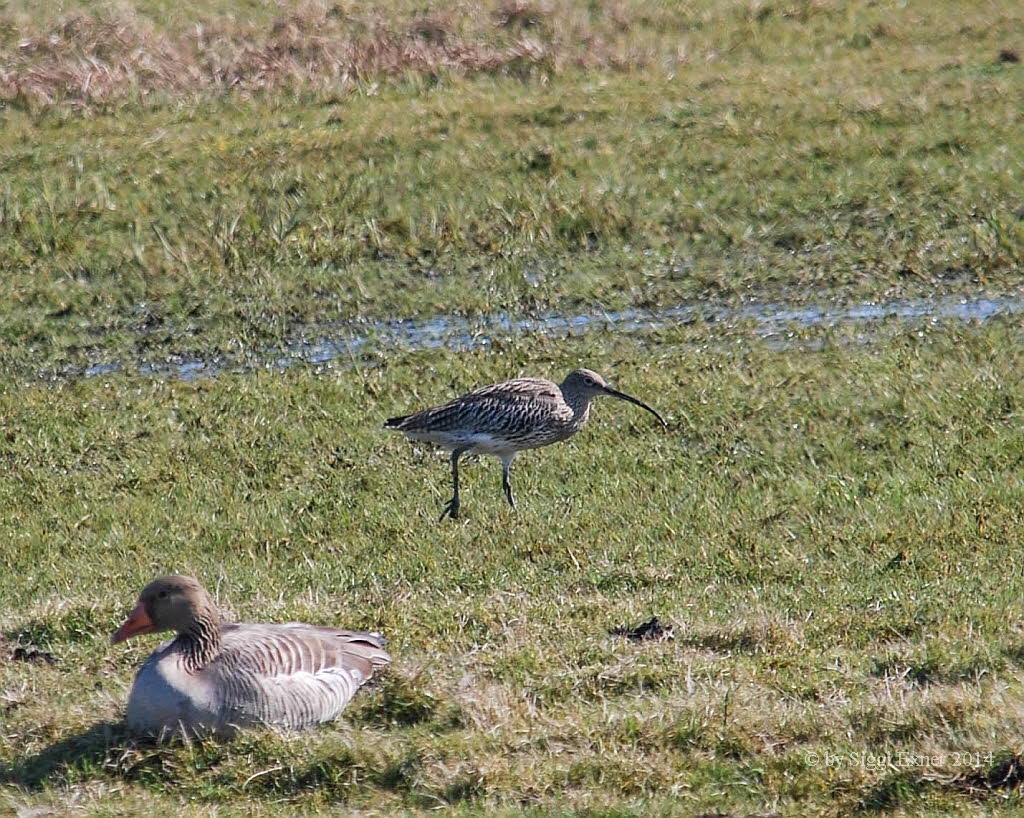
(777, 323)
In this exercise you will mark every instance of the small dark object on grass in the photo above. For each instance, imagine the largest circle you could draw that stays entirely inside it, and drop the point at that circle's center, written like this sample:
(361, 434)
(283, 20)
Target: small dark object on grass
(898, 559)
(1006, 774)
(652, 629)
(434, 28)
(1009, 55)
(521, 13)
(20, 654)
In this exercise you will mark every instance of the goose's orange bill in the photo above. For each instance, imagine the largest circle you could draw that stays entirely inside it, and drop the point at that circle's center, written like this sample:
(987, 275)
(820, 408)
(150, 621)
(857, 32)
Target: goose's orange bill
(137, 623)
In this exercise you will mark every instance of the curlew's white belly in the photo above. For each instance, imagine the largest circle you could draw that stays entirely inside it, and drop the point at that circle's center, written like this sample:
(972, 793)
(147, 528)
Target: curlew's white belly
(474, 442)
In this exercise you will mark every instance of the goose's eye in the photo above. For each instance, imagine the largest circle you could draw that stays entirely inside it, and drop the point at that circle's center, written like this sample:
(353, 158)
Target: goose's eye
(162, 595)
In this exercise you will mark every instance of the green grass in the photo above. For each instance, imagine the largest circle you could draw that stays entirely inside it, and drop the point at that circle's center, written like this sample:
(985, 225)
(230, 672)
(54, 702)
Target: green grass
(832, 534)
(869, 149)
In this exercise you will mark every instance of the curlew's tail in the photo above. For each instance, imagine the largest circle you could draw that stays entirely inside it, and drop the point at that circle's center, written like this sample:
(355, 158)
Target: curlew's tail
(396, 423)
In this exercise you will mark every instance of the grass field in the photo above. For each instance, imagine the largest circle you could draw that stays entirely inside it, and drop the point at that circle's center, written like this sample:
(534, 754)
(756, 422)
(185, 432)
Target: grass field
(832, 535)
(867, 149)
(830, 524)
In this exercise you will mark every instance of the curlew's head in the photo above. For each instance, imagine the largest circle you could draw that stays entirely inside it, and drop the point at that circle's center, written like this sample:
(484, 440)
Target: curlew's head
(166, 604)
(587, 384)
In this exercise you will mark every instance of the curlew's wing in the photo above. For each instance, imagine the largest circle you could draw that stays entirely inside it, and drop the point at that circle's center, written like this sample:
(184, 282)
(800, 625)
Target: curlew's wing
(498, 409)
(292, 675)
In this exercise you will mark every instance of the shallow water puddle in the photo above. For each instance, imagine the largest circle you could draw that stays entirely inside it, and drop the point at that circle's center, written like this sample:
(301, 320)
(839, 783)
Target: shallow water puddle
(771, 321)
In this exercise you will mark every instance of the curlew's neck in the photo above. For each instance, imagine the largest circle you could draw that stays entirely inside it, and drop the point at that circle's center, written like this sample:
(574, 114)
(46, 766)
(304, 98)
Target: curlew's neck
(580, 405)
(199, 643)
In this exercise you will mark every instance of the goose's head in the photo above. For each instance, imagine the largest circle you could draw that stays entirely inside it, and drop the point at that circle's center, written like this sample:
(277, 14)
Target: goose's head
(166, 604)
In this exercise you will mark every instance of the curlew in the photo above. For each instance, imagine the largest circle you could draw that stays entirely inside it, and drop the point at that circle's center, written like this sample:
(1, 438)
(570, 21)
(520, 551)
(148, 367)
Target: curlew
(506, 418)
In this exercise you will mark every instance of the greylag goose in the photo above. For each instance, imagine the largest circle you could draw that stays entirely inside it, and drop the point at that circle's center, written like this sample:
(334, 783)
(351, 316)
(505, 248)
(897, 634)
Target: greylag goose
(215, 676)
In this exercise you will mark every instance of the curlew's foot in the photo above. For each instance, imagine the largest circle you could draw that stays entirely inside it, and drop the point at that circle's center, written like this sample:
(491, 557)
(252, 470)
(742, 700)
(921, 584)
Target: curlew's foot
(450, 510)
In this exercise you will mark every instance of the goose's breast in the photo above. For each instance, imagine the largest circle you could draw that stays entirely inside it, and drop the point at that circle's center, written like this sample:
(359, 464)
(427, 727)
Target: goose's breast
(166, 697)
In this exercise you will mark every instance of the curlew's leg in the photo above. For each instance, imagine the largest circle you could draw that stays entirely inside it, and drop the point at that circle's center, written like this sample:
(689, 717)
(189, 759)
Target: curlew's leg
(452, 509)
(506, 464)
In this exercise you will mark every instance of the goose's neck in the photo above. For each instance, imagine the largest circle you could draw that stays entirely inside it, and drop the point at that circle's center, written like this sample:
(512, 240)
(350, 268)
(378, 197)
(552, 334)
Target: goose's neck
(199, 643)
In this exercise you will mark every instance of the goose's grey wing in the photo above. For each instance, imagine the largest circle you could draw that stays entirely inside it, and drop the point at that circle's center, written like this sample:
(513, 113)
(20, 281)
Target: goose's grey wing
(291, 675)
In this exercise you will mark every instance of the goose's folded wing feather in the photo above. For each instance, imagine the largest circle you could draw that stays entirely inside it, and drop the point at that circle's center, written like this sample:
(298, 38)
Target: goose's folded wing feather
(292, 675)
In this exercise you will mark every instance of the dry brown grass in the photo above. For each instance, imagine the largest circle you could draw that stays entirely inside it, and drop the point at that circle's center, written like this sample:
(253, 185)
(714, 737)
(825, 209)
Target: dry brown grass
(110, 56)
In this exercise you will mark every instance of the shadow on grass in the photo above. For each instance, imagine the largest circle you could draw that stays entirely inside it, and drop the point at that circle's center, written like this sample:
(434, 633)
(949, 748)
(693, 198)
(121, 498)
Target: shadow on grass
(1015, 654)
(110, 750)
(83, 752)
(1005, 774)
(106, 749)
(405, 700)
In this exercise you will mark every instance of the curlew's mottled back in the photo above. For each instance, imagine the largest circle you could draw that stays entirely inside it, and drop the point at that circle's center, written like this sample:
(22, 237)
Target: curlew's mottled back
(506, 418)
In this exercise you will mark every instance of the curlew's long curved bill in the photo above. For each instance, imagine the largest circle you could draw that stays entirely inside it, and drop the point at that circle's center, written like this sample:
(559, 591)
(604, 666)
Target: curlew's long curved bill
(615, 393)
(137, 623)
